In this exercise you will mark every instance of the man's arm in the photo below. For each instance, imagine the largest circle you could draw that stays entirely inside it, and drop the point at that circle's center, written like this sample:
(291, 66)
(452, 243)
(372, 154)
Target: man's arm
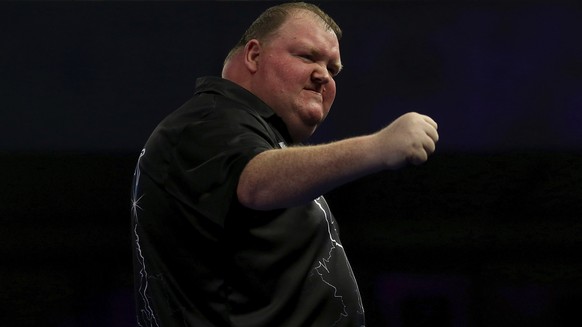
(296, 175)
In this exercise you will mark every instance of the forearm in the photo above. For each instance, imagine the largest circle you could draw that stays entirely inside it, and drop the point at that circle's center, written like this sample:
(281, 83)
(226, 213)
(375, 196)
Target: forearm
(296, 175)
(293, 176)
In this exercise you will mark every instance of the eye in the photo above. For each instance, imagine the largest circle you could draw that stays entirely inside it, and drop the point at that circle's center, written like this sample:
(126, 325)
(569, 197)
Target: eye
(333, 71)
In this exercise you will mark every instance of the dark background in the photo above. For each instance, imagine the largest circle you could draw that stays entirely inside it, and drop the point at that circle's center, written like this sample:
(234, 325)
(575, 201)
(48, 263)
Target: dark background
(486, 233)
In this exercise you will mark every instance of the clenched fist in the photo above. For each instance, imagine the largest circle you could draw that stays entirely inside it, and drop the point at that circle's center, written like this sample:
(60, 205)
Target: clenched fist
(409, 139)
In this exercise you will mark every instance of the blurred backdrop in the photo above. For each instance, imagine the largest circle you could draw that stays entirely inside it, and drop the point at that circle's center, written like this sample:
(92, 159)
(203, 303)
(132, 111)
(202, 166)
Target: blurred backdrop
(487, 233)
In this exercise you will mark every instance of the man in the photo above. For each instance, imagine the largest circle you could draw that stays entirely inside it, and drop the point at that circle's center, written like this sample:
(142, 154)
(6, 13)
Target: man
(229, 225)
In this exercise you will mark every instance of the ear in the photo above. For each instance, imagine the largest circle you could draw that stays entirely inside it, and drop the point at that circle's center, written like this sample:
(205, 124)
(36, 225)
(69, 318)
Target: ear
(252, 53)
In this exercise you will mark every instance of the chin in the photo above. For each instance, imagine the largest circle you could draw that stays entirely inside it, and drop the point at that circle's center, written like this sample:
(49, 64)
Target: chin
(313, 117)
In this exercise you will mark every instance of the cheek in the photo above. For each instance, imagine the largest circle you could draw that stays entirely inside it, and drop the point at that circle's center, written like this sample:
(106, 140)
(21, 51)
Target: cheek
(276, 71)
(330, 94)
(285, 70)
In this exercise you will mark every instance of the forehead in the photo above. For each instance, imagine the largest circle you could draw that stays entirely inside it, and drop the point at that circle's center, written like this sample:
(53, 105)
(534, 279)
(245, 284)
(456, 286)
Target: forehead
(304, 28)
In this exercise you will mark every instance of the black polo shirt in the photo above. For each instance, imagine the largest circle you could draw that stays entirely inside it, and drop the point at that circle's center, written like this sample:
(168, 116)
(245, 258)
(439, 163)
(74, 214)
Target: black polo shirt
(200, 257)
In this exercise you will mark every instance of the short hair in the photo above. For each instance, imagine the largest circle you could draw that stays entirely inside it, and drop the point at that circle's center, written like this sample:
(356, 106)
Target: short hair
(272, 18)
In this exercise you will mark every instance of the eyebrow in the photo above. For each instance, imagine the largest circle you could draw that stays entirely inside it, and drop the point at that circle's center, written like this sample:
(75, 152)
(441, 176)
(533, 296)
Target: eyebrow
(337, 66)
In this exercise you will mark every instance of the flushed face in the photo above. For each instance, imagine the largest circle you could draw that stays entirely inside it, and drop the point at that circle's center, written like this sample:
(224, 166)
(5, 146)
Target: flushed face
(295, 73)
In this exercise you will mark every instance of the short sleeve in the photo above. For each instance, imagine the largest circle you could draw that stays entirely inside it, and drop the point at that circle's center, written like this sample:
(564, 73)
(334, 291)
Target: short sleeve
(208, 157)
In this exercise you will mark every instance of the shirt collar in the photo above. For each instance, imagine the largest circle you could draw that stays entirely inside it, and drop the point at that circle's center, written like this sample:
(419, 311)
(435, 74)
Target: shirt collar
(231, 90)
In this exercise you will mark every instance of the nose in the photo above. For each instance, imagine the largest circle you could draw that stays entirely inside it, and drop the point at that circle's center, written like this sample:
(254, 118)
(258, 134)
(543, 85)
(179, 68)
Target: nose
(320, 75)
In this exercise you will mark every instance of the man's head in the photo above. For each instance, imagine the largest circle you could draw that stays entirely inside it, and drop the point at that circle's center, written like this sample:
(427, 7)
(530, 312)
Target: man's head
(272, 18)
(288, 58)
